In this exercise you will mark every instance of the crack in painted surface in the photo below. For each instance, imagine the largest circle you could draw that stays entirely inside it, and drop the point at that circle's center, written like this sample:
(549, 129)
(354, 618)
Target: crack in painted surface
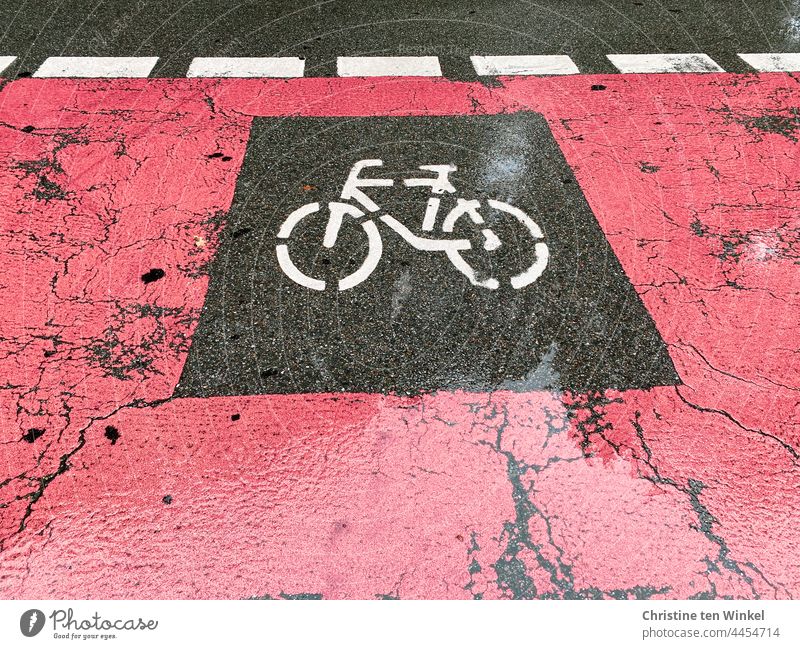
(116, 199)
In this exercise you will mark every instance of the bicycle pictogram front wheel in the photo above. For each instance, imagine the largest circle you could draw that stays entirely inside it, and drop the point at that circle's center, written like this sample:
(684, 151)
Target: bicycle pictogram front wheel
(336, 218)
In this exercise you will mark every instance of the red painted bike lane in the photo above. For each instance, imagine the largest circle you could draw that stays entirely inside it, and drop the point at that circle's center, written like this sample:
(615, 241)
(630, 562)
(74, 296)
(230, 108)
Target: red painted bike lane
(110, 488)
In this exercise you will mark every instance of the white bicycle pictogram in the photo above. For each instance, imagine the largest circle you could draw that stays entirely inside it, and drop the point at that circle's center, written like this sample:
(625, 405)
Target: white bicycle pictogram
(439, 184)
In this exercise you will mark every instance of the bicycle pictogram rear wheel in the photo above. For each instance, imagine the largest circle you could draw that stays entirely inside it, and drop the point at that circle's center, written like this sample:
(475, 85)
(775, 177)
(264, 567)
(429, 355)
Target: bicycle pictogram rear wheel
(528, 236)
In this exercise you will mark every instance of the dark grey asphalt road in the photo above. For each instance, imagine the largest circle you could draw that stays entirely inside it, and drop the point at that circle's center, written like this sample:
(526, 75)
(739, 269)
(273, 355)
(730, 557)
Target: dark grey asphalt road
(416, 324)
(178, 30)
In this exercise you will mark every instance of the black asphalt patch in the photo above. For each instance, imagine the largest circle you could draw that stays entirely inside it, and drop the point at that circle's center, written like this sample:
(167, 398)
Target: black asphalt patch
(417, 323)
(177, 30)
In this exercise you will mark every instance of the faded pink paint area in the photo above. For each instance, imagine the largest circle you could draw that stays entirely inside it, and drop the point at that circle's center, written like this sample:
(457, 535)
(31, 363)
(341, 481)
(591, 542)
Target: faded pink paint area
(94, 193)
(354, 496)
(671, 492)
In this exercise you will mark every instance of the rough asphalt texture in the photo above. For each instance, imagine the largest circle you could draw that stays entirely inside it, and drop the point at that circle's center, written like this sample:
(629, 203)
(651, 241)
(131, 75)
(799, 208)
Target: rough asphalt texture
(587, 30)
(115, 205)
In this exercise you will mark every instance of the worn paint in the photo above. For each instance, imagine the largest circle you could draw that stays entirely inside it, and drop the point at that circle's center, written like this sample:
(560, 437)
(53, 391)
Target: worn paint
(111, 488)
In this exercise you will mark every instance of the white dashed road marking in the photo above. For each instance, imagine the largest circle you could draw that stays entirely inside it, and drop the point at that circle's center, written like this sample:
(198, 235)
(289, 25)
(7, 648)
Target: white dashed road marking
(788, 62)
(398, 66)
(643, 63)
(534, 65)
(97, 66)
(280, 66)
(388, 66)
(5, 61)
